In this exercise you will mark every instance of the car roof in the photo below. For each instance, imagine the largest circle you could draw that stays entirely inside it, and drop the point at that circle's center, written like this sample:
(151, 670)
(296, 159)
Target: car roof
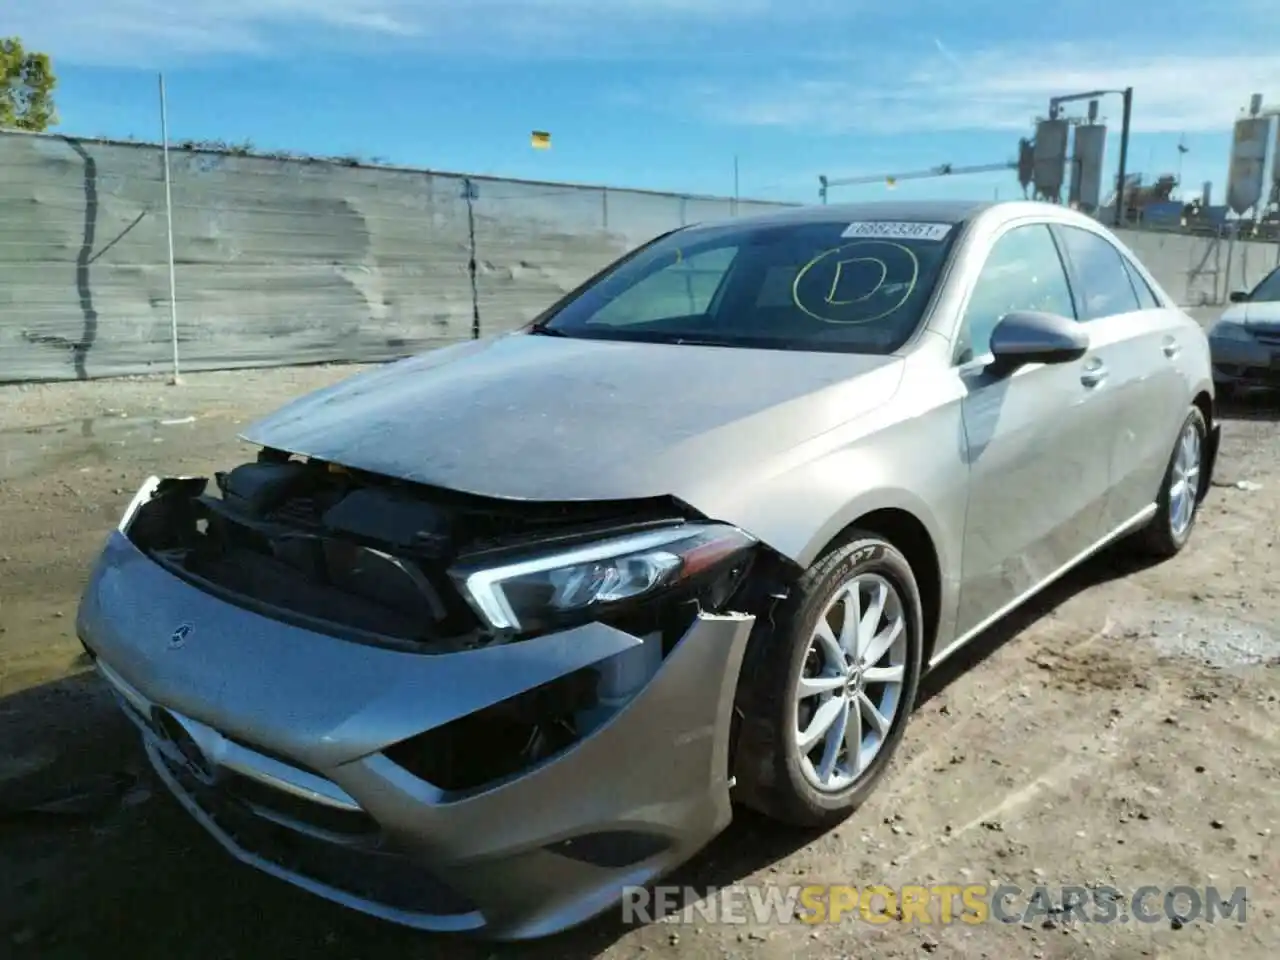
(926, 211)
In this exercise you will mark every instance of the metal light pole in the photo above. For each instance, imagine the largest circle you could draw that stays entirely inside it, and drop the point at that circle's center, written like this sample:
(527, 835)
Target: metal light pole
(168, 208)
(1055, 104)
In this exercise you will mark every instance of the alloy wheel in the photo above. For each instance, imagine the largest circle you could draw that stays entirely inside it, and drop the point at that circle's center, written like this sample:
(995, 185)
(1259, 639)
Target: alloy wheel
(1184, 486)
(850, 689)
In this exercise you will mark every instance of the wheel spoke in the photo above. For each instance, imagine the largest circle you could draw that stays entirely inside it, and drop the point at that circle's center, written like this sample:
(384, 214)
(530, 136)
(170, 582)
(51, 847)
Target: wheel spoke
(823, 718)
(831, 650)
(835, 740)
(893, 674)
(853, 741)
(870, 621)
(873, 715)
(812, 686)
(880, 645)
(852, 603)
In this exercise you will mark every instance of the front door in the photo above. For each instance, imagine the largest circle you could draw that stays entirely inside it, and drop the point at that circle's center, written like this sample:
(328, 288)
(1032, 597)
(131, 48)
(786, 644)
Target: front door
(1038, 440)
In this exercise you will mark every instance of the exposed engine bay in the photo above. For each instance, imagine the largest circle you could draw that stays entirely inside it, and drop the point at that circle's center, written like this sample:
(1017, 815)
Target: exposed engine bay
(374, 560)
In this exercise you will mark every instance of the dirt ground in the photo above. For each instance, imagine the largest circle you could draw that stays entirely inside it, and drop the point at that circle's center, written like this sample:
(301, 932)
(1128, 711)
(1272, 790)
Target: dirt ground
(1123, 731)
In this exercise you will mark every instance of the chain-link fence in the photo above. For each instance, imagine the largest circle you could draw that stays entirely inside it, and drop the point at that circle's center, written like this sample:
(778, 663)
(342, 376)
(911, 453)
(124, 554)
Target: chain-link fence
(284, 261)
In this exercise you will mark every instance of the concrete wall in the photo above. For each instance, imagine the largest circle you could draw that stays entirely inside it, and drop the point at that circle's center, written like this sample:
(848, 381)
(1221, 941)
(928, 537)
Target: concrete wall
(283, 261)
(290, 261)
(1202, 271)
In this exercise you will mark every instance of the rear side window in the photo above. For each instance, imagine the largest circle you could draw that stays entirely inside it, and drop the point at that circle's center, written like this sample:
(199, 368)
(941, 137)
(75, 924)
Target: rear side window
(1146, 296)
(1105, 287)
(1023, 272)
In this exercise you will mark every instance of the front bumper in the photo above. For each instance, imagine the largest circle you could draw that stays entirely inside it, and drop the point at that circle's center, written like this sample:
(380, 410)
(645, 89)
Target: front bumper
(273, 737)
(1246, 363)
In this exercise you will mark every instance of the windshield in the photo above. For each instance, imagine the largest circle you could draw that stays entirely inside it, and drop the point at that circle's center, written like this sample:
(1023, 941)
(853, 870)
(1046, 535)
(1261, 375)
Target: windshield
(827, 286)
(1268, 291)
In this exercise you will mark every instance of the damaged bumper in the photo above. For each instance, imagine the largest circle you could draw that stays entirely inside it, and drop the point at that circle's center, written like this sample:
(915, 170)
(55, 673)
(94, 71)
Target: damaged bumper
(288, 745)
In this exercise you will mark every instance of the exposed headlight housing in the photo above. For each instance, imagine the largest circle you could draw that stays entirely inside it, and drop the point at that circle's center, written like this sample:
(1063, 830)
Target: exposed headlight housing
(519, 594)
(1230, 330)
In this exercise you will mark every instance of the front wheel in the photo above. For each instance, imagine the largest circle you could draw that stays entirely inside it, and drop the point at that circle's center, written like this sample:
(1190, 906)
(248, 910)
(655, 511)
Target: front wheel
(828, 691)
(1178, 503)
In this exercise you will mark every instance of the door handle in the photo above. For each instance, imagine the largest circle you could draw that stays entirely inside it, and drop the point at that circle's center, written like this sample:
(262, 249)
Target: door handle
(1095, 371)
(1171, 347)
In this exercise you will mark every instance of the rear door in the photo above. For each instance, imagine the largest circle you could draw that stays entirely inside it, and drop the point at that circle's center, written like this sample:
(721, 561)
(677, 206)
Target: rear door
(1135, 343)
(1037, 440)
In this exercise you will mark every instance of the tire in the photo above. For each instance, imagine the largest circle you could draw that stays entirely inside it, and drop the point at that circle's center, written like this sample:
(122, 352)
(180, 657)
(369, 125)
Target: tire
(773, 775)
(1169, 531)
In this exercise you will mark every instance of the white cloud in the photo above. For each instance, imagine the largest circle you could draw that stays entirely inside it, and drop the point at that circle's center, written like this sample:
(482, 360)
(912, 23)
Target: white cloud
(154, 32)
(1002, 89)
(854, 65)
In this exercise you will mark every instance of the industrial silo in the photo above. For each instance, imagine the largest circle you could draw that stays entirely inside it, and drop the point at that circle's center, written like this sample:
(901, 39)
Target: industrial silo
(1275, 170)
(1086, 165)
(1248, 163)
(1050, 156)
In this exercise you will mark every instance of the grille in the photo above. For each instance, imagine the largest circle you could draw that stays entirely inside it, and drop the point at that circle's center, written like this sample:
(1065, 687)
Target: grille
(370, 871)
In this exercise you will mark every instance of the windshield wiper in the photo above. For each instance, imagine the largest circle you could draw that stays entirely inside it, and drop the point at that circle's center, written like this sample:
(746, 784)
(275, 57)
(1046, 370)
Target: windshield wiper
(680, 341)
(541, 329)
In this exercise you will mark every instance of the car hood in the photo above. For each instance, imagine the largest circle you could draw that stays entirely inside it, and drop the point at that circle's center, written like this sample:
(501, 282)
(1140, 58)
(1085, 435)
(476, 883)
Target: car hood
(1264, 315)
(545, 418)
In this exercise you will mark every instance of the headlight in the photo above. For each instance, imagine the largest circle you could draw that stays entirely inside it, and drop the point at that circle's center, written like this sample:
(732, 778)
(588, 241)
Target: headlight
(1228, 330)
(522, 593)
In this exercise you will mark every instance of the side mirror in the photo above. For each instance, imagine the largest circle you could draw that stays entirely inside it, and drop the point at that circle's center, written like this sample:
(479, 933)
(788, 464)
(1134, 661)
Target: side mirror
(1024, 336)
(1239, 296)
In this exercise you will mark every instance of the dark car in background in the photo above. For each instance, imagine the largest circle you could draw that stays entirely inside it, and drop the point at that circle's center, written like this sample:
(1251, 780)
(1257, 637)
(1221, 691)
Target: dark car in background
(1245, 342)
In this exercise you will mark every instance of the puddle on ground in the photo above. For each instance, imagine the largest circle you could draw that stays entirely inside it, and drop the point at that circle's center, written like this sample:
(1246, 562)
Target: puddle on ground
(1211, 638)
(27, 450)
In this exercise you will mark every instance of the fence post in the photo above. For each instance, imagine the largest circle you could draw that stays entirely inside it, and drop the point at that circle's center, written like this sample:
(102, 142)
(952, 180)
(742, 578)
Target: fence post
(470, 193)
(1226, 281)
(168, 219)
(604, 206)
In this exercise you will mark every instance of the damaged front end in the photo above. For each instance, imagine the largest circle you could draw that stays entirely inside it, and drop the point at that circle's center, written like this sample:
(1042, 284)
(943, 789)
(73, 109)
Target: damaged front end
(513, 693)
(376, 561)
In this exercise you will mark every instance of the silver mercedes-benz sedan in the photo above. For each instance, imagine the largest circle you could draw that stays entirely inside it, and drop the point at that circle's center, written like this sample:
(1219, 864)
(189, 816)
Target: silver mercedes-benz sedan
(481, 637)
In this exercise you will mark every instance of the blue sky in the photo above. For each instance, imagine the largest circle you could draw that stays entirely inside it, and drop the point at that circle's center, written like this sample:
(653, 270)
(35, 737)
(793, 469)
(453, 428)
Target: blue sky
(663, 93)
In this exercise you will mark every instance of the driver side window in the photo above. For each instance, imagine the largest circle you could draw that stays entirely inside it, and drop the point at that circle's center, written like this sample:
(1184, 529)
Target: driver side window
(1023, 271)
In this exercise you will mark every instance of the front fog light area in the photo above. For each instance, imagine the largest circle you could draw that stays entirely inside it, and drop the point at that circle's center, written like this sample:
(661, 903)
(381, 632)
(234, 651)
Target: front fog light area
(504, 739)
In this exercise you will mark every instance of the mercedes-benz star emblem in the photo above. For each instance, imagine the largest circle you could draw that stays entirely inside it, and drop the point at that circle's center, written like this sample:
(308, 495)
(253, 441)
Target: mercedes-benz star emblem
(180, 635)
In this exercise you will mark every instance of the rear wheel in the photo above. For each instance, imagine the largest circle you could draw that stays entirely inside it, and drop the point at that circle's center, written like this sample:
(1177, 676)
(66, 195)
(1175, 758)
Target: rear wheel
(1178, 504)
(828, 692)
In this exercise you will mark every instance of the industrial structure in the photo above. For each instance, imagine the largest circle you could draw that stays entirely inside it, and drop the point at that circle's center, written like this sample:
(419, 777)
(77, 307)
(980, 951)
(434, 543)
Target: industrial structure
(1064, 161)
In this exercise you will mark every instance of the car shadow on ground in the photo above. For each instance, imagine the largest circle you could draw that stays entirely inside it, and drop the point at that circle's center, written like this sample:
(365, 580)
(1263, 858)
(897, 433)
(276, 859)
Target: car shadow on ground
(96, 859)
(1261, 406)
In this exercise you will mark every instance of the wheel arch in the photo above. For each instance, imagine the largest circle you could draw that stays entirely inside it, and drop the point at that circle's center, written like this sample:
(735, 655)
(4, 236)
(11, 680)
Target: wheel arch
(909, 534)
(1203, 401)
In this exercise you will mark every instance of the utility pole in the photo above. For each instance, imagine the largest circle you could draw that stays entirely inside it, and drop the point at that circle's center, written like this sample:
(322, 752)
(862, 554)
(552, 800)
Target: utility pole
(1124, 154)
(735, 184)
